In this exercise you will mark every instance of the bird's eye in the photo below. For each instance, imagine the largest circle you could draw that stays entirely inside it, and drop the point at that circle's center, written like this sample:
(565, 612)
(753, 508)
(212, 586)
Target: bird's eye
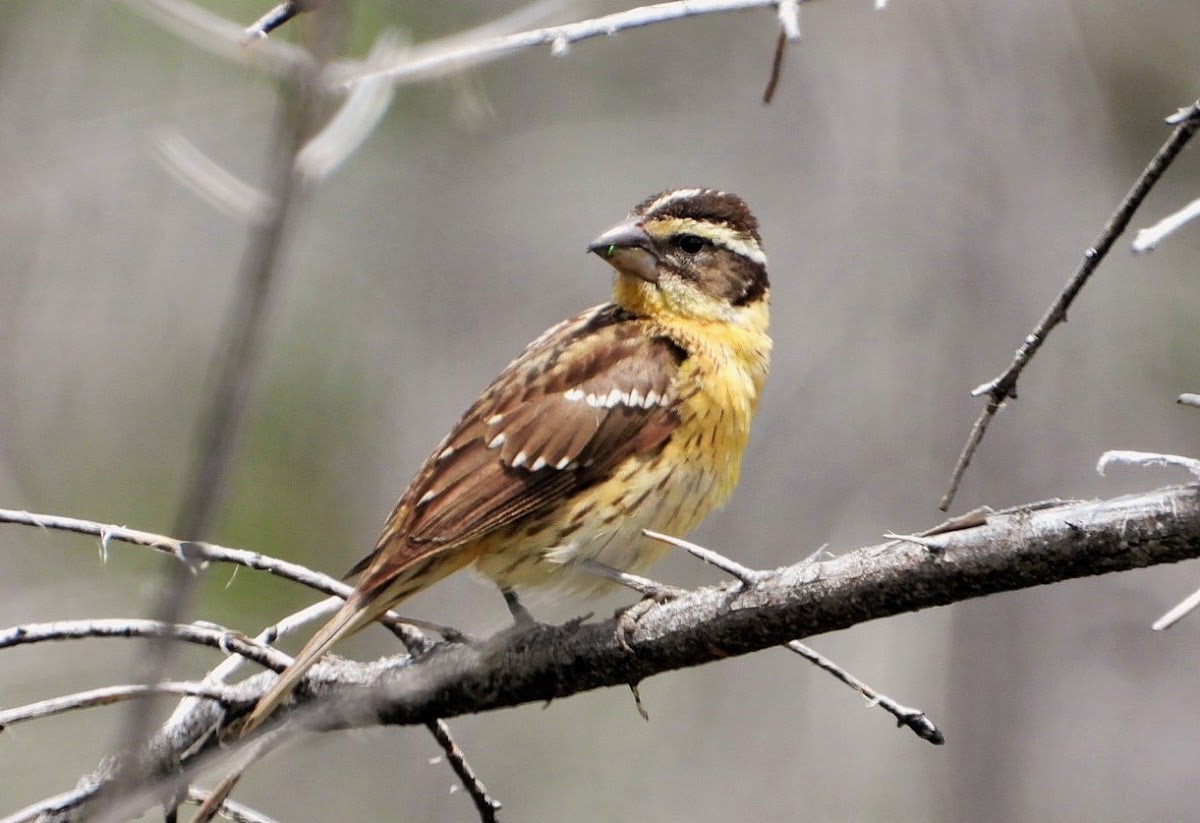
(690, 243)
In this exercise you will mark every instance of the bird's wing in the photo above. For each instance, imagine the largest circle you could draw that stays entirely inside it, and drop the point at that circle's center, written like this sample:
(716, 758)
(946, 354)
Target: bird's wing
(584, 396)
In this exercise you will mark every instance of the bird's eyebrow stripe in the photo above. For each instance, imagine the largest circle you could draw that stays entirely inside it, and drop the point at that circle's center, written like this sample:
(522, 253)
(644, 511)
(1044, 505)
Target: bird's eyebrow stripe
(717, 233)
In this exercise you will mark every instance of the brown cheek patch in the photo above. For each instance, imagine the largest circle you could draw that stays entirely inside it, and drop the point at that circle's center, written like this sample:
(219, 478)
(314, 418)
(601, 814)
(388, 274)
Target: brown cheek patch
(736, 279)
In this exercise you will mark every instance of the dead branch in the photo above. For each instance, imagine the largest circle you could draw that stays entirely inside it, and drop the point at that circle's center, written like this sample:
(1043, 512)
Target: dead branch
(1003, 387)
(1010, 550)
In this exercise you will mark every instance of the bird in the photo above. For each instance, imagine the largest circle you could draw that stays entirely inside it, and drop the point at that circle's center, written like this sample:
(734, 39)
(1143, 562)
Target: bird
(631, 415)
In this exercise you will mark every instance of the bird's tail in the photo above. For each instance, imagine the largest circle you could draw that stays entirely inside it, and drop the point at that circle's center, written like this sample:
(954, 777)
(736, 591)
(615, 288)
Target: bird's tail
(355, 613)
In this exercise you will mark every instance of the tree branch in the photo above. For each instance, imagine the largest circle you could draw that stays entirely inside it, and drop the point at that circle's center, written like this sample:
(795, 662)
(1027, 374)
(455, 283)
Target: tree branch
(106, 696)
(453, 55)
(1009, 550)
(1012, 550)
(196, 554)
(1004, 386)
(444, 56)
(214, 636)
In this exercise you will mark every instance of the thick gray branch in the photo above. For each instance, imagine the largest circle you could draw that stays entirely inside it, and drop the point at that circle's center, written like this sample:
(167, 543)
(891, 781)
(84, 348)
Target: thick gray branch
(1012, 550)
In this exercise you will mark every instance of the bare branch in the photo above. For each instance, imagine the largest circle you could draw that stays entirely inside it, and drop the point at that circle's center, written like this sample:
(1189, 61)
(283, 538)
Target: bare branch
(57, 805)
(1177, 612)
(776, 75)
(278, 14)
(210, 181)
(1147, 239)
(108, 695)
(1001, 388)
(1133, 458)
(358, 116)
(444, 56)
(485, 804)
(1009, 550)
(914, 719)
(438, 59)
(197, 554)
(236, 812)
(373, 80)
(215, 637)
(746, 575)
(218, 36)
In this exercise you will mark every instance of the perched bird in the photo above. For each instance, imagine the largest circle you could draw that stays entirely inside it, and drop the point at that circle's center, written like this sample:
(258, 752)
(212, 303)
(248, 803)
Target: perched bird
(632, 415)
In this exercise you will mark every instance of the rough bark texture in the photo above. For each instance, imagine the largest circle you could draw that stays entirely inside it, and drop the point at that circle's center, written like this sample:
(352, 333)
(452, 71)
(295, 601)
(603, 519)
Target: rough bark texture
(1015, 549)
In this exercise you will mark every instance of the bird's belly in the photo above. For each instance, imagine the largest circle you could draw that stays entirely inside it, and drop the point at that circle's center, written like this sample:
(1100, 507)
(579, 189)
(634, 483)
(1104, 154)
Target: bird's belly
(664, 494)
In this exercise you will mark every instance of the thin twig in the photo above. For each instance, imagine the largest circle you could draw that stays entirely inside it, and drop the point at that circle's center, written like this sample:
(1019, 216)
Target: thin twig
(642, 585)
(283, 628)
(223, 38)
(196, 554)
(1147, 239)
(485, 804)
(745, 574)
(1135, 458)
(439, 59)
(434, 59)
(236, 812)
(357, 117)
(1178, 612)
(215, 637)
(226, 39)
(776, 69)
(107, 695)
(210, 181)
(974, 438)
(238, 645)
(1001, 388)
(914, 719)
(279, 14)
(58, 804)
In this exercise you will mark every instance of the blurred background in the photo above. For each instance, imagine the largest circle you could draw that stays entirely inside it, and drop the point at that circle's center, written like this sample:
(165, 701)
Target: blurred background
(926, 179)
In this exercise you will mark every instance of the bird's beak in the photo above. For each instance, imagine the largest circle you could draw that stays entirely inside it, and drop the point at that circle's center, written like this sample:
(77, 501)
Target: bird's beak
(627, 248)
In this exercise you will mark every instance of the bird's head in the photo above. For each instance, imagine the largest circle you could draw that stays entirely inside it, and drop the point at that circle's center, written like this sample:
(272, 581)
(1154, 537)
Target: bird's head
(689, 253)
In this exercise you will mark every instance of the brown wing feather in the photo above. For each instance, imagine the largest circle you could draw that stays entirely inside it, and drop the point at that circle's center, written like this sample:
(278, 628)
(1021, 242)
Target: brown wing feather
(586, 395)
